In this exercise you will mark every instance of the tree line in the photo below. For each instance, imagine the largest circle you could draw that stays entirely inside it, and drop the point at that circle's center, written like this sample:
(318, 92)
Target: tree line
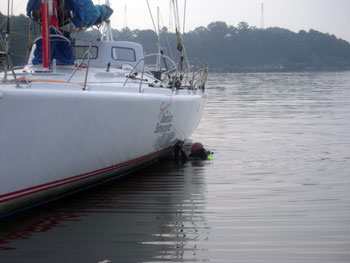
(222, 47)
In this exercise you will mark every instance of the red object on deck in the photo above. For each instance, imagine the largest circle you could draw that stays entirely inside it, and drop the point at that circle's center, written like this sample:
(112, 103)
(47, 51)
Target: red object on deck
(46, 35)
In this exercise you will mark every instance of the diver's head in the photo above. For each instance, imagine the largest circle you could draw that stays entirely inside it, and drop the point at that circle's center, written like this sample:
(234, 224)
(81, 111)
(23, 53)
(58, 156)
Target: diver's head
(197, 146)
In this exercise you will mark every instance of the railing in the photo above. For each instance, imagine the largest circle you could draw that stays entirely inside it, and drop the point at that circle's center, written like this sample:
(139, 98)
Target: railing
(174, 79)
(130, 75)
(6, 58)
(86, 53)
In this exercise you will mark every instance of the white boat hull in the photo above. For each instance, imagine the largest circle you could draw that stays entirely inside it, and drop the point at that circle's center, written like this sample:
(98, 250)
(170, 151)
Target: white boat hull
(54, 141)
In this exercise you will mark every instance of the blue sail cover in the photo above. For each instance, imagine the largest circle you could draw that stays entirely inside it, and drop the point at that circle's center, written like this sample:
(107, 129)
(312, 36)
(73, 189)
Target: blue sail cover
(85, 13)
(60, 49)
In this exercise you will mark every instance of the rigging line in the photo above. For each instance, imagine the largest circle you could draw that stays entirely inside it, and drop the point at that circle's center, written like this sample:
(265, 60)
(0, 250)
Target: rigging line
(175, 18)
(18, 5)
(125, 17)
(27, 35)
(15, 33)
(178, 17)
(8, 20)
(170, 17)
(178, 33)
(3, 22)
(167, 38)
(7, 40)
(150, 12)
(185, 53)
(30, 42)
(174, 11)
(18, 55)
(184, 22)
(11, 8)
(2, 42)
(177, 28)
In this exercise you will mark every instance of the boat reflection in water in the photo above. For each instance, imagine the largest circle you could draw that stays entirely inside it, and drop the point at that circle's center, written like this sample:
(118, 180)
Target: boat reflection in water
(154, 215)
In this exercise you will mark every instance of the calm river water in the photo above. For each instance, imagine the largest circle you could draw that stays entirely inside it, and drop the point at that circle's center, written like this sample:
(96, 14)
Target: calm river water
(277, 189)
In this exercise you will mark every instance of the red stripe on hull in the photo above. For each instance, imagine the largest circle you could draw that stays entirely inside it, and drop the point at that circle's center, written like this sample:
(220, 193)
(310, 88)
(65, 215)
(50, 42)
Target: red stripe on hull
(57, 183)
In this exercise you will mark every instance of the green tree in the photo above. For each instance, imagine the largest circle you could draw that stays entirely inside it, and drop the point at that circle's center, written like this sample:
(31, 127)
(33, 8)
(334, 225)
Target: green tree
(224, 47)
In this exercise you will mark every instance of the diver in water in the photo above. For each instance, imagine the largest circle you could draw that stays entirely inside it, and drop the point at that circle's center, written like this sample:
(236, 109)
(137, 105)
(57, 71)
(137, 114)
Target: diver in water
(198, 153)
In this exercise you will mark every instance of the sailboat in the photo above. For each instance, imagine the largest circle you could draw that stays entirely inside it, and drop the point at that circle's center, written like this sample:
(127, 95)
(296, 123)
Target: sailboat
(84, 112)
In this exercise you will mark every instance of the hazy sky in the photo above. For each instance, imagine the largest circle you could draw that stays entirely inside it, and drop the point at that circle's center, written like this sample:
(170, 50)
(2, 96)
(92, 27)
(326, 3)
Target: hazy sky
(327, 16)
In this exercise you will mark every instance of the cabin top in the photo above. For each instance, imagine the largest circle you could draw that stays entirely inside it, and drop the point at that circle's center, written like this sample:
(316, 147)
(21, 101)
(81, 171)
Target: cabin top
(102, 53)
(114, 53)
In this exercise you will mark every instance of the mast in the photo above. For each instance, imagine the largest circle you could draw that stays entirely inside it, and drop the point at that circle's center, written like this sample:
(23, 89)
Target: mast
(158, 66)
(48, 18)
(45, 32)
(170, 17)
(125, 17)
(262, 24)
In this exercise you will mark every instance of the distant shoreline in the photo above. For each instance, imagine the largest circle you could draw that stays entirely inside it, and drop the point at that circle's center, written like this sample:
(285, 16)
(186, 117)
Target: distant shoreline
(262, 70)
(224, 48)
